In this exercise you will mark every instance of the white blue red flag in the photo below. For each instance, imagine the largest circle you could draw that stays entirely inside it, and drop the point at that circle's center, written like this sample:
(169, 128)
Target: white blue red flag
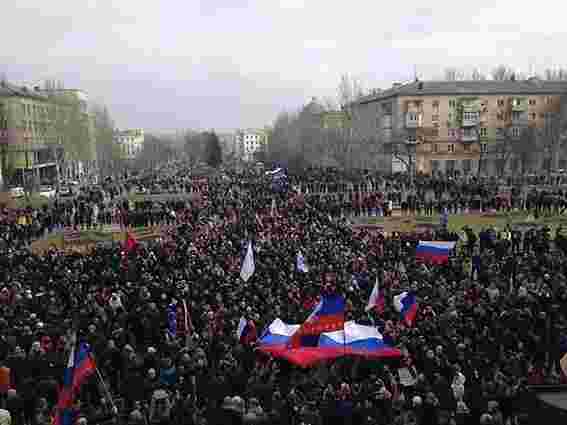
(376, 301)
(301, 265)
(246, 331)
(434, 251)
(328, 315)
(248, 266)
(406, 304)
(80, 366)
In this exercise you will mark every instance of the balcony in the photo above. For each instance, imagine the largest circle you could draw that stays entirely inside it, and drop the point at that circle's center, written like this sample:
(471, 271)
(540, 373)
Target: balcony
(519, 118)
(519, 104)
(414, 120)
(469, 135)
(470, 119)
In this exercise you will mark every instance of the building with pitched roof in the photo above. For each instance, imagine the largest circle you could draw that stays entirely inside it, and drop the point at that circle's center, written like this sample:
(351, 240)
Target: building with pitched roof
(461, 126)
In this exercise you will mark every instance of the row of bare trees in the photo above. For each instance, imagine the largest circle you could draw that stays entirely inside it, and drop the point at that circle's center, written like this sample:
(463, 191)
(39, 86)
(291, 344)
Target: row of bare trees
(300, 138)
(322, 133)
(501, 73)
(525, 148)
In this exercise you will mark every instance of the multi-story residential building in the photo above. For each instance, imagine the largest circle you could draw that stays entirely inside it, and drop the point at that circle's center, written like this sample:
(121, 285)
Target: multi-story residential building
(250, 141)
(44, 133)
(130, 142)
(465, 126)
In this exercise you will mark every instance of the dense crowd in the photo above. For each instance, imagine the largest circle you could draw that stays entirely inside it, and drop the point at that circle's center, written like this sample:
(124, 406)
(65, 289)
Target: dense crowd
(489, 321)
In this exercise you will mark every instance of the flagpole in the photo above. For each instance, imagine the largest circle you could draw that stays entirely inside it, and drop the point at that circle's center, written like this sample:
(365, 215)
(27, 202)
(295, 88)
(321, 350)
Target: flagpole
(106, 390)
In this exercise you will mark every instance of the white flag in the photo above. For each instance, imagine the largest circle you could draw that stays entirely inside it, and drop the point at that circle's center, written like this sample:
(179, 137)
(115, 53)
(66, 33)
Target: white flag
(273, 211)
(248, 267)
(301, 266)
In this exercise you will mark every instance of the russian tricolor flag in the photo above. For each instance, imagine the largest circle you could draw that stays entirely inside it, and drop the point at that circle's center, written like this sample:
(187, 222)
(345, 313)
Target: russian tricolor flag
(278, 333)
(246, 331)
(434, 251)
(248, 266)
(563, 354)
(355, 340)
(376, 300)
(80, 367)
(358, 340)
(405, 304)
(301, 265)
(328, 315)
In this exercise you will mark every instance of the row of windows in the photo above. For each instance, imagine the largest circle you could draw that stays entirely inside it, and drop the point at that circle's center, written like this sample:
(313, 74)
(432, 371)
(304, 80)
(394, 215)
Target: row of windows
(387, 107)
(466, 132)
(466, 164)
(474, 117)
(451, 148)
(500, 102)
(30, 108)
(35, 109)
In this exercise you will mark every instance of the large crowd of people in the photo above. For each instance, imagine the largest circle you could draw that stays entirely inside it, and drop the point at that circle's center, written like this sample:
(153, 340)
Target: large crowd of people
(489, 321)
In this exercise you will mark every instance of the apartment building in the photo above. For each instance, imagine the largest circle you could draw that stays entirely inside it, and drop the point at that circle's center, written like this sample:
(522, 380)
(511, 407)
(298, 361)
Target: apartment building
(130, 142)
(464, 126)
(250, 141)
(44, 133)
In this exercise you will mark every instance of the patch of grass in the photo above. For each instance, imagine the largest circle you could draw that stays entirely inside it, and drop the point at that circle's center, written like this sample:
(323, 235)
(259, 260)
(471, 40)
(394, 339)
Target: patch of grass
(478, 222)
(34, 201)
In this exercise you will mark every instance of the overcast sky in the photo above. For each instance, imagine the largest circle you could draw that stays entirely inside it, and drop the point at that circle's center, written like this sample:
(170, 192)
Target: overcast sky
(235, 63)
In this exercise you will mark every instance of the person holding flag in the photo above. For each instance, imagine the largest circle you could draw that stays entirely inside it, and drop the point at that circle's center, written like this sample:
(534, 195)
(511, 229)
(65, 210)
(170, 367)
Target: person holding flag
(406, 304)
(80, 367)
(248, 266)
(300, 263)
(376, 301)
(246, 331)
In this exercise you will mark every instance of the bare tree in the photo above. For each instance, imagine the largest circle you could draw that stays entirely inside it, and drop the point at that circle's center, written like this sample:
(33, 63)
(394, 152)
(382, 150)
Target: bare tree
(476, 75)
(502, 151)
(70, 131)
(527, 148)
(330, 104)
(155, 150)
(353, 142)
(194, 146)
(502, 73)
(555, 74)
(554, 134)
(108, 153)
(453, 74)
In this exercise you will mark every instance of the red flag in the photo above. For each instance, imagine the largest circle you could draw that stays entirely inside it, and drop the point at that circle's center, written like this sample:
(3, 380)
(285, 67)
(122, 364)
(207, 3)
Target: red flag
(130, 244)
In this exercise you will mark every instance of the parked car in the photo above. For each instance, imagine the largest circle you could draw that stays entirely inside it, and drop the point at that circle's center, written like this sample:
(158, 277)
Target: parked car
(17, 192)
(65, 192)
(47, 192)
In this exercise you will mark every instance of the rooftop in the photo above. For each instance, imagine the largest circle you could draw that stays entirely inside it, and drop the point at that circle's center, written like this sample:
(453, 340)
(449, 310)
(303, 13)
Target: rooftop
(483, 87)
(7, 89)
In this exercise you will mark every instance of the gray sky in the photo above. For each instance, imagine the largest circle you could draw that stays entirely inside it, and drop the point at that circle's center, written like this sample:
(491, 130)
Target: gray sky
(236, 63)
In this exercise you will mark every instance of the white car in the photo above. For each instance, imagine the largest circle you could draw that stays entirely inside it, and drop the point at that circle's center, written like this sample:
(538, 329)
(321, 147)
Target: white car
(47, 192)
(17, 192)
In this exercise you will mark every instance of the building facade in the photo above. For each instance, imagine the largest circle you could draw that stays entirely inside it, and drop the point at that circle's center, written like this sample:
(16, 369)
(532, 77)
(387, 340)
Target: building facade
(130, 142)
(44, 134)
(464, 126)
(250, 141)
